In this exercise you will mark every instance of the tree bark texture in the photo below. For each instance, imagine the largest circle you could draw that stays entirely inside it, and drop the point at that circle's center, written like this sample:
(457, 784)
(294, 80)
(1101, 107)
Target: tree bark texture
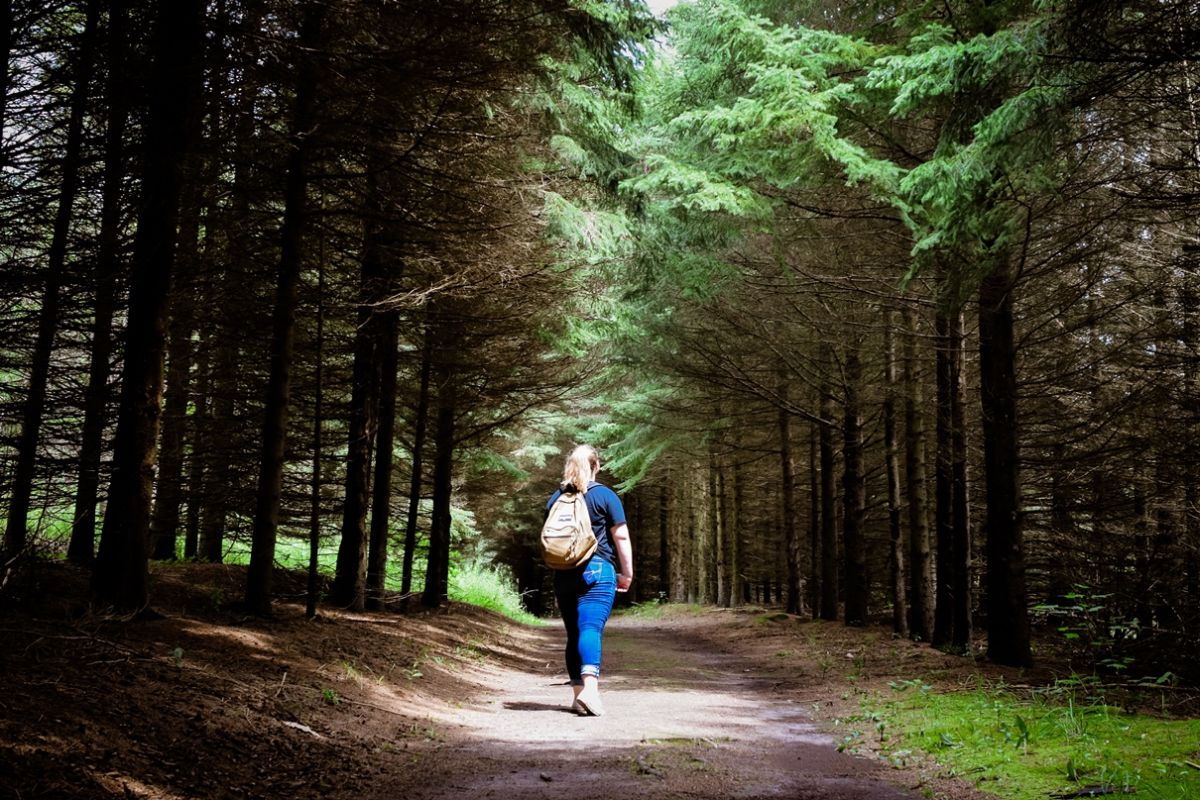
(314, 511)
(738, 588)
(196, 464)
(1007, 608)
(216, 427)
(349, 585)
(829, 538)
(814, 521)
(416, 482)
(381, 499)
(721, 526)
(953, 603)
(920, 563)
(664, 535)
(854, 495)
(1189, 304)
(681, 532)
(634, 518)
(892, 468)
(961, 585)
(437, 571)
(787, 490)
(119, 578)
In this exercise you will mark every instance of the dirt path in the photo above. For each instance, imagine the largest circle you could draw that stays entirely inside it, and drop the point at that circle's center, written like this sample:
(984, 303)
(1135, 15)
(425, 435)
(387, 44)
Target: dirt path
(684, 720)
(203, 702)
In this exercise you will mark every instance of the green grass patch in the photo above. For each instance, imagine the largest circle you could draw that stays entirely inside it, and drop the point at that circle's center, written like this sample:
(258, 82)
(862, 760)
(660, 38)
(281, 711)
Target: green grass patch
(290, 553)
(491, 587)
(474, 582)
(655, 609)
(1022, 746)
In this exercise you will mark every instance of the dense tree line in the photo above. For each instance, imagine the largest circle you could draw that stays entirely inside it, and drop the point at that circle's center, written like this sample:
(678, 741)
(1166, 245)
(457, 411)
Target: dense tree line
(277, 268)
(911, 319)
(879, 311)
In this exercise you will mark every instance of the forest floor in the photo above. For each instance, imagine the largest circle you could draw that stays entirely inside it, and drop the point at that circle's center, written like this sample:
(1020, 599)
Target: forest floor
(204, 703)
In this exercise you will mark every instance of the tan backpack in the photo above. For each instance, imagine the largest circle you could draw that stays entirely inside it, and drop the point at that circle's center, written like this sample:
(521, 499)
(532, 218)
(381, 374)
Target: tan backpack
(567, 537)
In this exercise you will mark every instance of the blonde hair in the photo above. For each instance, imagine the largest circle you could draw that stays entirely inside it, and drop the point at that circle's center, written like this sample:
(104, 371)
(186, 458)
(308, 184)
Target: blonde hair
(581, 464)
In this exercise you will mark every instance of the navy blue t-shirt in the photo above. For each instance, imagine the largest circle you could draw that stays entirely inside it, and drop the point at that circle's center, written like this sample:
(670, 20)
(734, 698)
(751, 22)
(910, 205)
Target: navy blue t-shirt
(606, 512)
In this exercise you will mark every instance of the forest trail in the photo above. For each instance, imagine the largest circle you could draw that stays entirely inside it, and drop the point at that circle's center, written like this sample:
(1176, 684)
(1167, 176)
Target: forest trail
(683, 720)
(203, 701)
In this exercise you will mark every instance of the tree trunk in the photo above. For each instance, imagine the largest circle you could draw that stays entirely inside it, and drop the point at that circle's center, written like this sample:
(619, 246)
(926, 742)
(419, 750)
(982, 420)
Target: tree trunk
(780, 562)
(349, 585)
(164, 525)
(215, 430)
(274, 438)
(108, 266)
(854, 495)
(787, 491)
(721, 527)
(920, 566)
(16, 531)
(702, 552)
(314, 513)
(943, 501)
(952, 612)
(197, 463)
(640, 556)
(664, 536)
(1007, 609)
(814, 521)
(962, 548)
(829, 549)
(416, 481)
(1189, 304)
(1144, 609)
(947, 344)
(734, 535)
(437, 572)
(382, 485)
(120, 578)
(892, 467)
(681, 533)
(1167, 557)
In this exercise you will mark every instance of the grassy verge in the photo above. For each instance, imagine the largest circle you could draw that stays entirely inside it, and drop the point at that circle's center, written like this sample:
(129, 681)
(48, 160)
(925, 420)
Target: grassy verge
(475, 582)
(1022, 745)
(654, 609)
(491, 587)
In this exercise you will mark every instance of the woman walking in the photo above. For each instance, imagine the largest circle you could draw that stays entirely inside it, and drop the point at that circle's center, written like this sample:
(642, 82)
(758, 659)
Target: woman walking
(585, 594)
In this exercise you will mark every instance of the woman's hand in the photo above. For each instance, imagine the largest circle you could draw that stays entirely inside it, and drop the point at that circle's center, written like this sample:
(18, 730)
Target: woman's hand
(624, 581)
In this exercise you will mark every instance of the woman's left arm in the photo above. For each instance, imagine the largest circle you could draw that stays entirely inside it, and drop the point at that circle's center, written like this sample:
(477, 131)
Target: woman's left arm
(620, 537)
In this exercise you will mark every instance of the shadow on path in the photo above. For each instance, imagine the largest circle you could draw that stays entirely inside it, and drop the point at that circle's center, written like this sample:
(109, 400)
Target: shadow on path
(683, 721)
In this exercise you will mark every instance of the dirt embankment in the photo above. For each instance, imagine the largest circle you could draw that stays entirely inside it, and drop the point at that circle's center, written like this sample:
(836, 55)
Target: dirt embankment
(204, 703)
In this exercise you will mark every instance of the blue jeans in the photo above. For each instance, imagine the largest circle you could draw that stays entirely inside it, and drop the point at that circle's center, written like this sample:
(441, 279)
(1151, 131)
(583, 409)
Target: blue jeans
(585, 598)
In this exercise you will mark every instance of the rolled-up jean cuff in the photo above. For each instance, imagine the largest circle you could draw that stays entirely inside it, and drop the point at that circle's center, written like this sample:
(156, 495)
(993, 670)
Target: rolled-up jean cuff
(590, 669)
